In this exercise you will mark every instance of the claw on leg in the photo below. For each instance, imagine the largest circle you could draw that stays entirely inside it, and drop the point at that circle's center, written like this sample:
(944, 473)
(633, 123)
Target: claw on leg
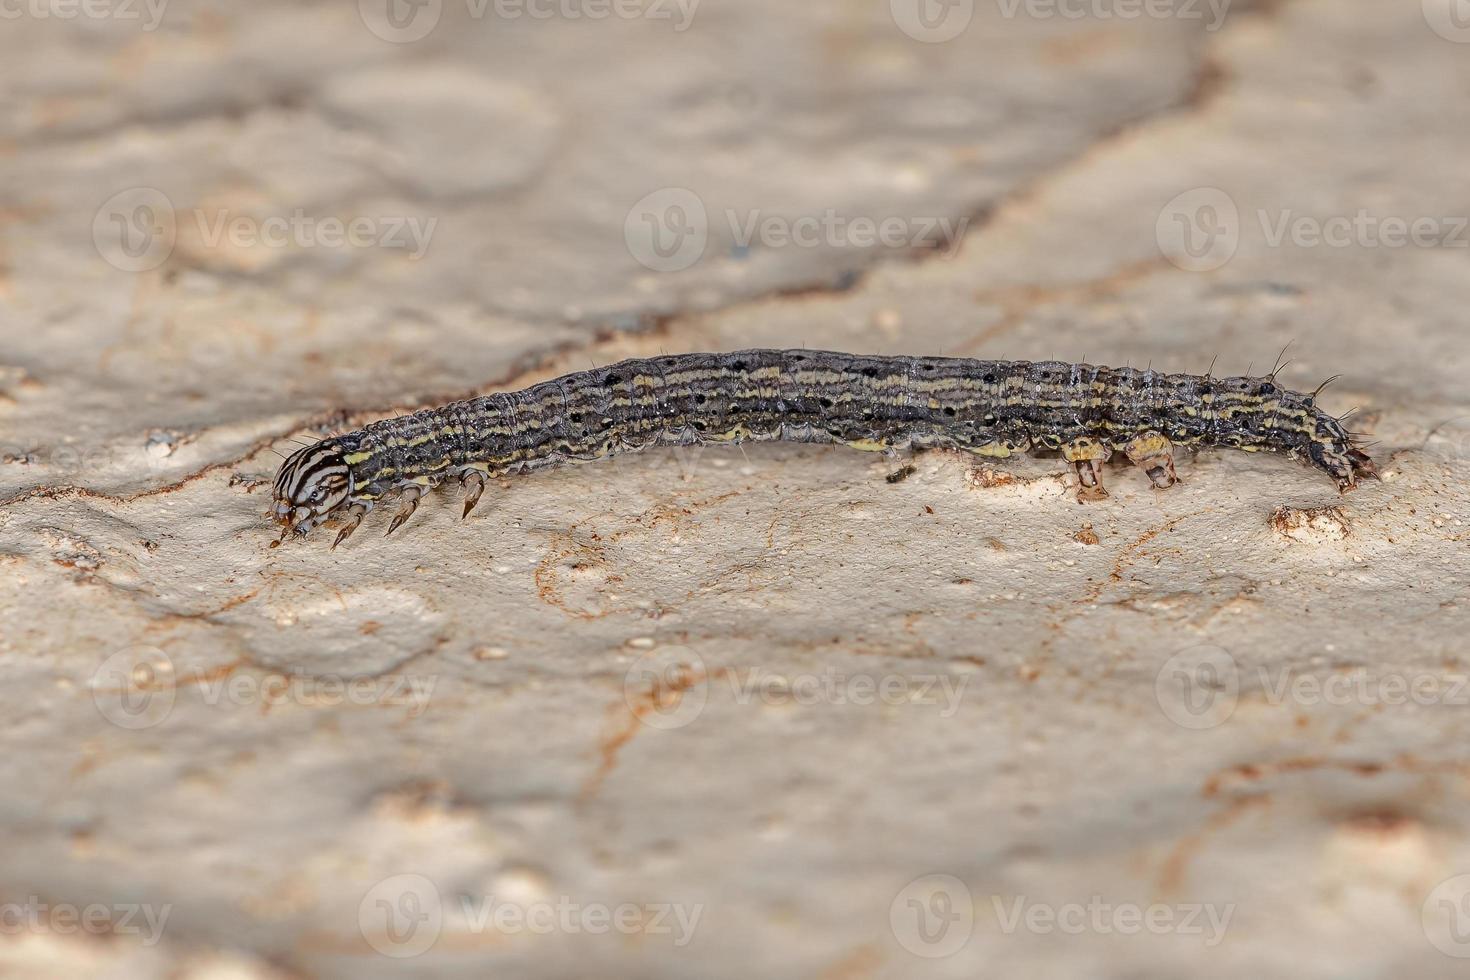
(474, 485)
(352, 521)
(1155, 455)
(411, 498)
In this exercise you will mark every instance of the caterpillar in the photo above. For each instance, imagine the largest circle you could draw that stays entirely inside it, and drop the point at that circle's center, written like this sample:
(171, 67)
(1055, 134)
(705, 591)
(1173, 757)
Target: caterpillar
(875, 403)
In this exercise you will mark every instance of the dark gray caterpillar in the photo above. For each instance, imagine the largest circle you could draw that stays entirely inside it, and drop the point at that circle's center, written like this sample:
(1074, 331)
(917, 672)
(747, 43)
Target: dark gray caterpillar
(991, 408)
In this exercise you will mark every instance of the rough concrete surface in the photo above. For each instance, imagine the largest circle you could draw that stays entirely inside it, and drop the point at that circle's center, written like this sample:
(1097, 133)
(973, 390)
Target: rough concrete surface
(713, 713)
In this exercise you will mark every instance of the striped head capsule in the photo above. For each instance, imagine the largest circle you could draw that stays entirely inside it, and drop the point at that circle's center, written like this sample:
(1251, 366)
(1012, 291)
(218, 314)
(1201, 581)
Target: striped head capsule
(312, 483)
(1333, 450)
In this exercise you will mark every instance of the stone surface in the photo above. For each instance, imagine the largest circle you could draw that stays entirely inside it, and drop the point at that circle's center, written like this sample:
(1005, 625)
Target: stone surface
(713, 713)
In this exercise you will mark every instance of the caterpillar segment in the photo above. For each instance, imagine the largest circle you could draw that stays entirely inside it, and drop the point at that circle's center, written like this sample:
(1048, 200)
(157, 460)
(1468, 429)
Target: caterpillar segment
(1085, 413)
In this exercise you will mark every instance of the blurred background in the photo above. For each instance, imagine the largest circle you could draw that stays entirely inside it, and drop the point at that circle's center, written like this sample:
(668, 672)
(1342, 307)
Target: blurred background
(224, 226)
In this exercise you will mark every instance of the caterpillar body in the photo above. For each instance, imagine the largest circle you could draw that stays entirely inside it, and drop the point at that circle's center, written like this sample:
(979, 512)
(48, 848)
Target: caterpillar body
(876, 403)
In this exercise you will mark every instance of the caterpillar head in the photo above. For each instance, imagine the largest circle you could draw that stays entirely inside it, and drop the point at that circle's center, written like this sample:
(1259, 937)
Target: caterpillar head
(1333, 450)
(312, 483)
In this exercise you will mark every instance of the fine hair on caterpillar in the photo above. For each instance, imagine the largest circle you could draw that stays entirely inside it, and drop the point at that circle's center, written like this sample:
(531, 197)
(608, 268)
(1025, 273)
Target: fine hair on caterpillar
(1083, 412)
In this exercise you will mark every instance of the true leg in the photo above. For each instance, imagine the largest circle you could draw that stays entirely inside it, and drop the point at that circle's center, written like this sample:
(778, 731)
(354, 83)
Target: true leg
(473, 482)
(411, 496)
(352, 520)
